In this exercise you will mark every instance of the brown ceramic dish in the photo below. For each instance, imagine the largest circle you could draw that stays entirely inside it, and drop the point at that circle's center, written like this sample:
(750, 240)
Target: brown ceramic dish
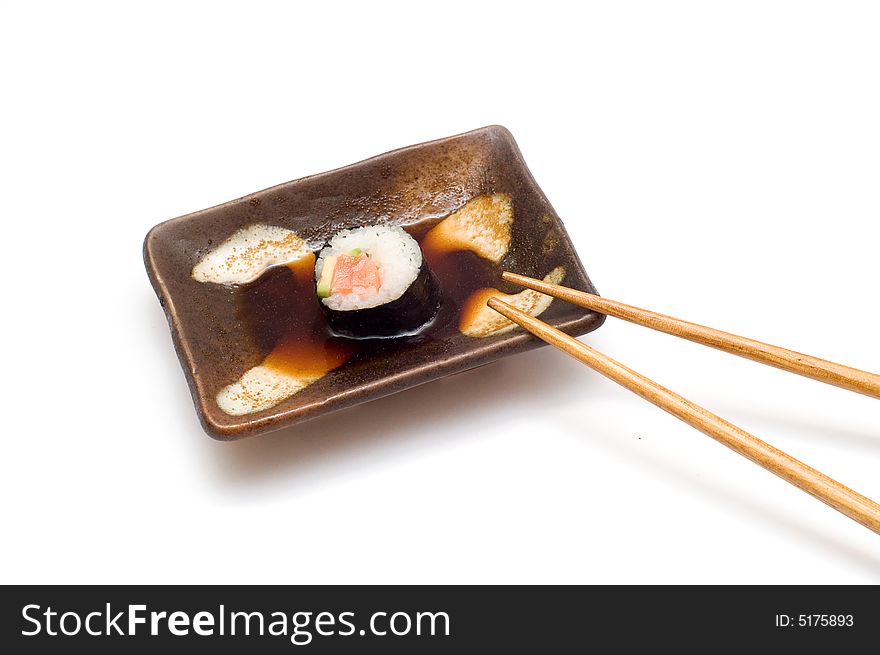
(413, 185)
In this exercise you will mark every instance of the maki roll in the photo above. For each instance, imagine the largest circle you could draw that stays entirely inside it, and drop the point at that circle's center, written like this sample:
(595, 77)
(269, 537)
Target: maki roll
(373, 282)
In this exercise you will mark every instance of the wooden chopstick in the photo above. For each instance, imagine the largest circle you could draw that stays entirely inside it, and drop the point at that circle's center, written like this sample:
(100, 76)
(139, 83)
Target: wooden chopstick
(822, 370)
(829, 491)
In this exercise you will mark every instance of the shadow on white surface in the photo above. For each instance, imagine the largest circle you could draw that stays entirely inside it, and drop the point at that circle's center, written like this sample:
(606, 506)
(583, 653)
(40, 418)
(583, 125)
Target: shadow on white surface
(832, 432)
(459, 407)
(736, 500)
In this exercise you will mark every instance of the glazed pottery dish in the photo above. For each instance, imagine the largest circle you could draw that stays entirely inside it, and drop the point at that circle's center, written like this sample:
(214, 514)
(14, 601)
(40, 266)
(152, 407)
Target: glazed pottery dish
(342, 287)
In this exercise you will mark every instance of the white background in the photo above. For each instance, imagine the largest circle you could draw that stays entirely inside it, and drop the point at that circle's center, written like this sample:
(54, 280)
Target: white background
(719, 162)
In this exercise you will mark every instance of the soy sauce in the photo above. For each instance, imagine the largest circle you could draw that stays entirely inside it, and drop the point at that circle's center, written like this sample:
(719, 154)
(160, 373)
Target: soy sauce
(283, 312)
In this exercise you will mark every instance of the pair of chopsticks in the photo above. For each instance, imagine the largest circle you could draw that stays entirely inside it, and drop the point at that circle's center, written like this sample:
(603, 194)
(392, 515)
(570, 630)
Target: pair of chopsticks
(817, 484)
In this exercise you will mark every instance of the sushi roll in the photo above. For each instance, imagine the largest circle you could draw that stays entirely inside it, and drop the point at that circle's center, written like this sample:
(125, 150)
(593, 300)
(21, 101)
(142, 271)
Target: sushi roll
(373, 282)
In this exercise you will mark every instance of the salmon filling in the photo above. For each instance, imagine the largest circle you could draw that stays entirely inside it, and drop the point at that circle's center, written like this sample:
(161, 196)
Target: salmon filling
(355, 274)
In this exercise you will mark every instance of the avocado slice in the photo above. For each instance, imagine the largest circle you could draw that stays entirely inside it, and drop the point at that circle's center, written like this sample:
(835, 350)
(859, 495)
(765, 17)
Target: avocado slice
(326, 277)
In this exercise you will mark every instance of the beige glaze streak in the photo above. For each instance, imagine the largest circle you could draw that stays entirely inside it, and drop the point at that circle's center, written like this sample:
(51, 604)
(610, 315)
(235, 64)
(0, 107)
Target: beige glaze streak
(482, 226)
(287, 370)
(247, 253)
(478, 320)
(822, 370)
(261, 387)
(850, 503)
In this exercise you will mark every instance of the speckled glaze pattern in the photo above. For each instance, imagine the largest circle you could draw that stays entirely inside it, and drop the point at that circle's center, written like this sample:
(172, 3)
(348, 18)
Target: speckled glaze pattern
(426, 180)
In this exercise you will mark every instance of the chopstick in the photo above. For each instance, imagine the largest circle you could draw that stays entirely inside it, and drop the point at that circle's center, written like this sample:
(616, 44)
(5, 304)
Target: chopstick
(822, 370)
(846, 501)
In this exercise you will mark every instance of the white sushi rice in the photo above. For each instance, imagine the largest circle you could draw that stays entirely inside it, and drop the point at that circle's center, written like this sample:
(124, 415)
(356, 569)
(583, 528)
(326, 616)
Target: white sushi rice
(395, 253)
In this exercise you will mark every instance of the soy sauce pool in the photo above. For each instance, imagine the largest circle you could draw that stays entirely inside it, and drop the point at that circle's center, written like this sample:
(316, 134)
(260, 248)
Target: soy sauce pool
(283, 313)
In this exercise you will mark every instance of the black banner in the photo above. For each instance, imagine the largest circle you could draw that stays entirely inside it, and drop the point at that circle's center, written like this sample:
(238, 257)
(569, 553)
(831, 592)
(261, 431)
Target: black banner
(421, 619)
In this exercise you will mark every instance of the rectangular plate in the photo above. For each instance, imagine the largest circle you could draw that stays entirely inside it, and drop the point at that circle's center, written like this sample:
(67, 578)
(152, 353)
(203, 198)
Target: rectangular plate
(404, 186)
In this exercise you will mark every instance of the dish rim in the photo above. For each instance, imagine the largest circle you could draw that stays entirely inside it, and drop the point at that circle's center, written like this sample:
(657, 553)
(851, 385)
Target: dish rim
(483, 352)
